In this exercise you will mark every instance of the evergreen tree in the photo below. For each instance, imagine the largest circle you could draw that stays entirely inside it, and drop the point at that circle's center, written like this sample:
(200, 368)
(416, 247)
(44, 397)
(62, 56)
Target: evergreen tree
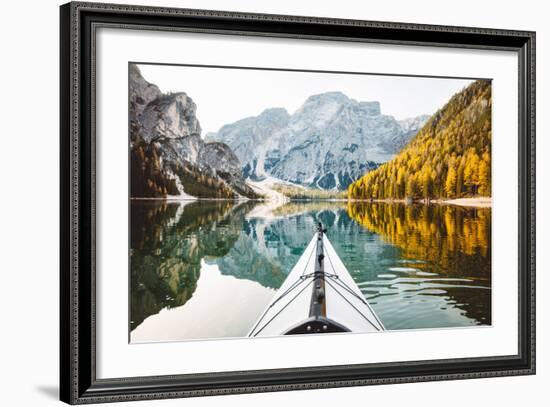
(449, 157)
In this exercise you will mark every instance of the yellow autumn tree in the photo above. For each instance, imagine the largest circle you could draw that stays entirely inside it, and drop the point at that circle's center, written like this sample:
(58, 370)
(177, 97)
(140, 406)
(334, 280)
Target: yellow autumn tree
(484, 177)
(449, 157)
(450, 182)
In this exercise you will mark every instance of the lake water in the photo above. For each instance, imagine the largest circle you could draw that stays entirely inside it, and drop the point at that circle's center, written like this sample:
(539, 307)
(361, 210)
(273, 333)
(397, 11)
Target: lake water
(207, 269)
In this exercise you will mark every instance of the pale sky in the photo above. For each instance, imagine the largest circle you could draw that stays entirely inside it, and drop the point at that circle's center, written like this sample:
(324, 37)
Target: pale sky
(225, 95)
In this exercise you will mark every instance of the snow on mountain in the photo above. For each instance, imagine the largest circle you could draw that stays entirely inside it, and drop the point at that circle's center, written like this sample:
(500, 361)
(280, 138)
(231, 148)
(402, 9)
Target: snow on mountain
(254, 140)
(329, 142)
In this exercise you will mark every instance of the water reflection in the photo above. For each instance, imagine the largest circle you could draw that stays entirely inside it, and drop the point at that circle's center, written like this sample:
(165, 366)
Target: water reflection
(167, 243)
(445, 255)
(449, 236)
(419, 266)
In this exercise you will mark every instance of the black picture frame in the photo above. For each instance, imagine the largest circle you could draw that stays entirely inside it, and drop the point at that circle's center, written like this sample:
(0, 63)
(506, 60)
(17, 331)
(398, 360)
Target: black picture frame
(78, 382)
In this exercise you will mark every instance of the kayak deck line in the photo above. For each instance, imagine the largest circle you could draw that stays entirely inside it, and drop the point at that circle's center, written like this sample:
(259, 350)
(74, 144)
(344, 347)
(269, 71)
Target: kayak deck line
(317, 307)
(334, 303)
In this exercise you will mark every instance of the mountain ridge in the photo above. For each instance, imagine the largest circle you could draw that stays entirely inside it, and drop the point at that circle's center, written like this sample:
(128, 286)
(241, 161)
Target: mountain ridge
(450, 157)
(168, 156)
(341, 137)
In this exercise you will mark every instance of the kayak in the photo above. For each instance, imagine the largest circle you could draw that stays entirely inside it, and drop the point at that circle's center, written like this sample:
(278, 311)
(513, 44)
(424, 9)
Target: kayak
(318, 296)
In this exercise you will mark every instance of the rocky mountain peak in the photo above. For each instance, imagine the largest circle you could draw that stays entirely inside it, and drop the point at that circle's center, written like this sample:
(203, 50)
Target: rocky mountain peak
(371, 108)
(275, 113)
(329, 142)
(327, 97)
(170, 116)
(318, 110)
(168, 155)
(141, 92)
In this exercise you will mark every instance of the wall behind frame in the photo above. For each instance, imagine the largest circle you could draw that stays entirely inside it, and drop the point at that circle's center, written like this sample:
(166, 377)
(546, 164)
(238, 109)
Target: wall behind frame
(29, 205)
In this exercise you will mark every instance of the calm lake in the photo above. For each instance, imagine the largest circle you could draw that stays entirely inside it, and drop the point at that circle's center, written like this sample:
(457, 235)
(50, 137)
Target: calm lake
(207, 269)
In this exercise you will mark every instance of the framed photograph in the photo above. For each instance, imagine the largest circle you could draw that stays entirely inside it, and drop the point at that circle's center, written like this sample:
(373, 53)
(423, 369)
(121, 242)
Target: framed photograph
(256, 203)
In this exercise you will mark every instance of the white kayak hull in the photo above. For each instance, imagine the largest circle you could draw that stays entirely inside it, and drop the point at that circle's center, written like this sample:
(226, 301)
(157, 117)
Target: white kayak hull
(318, 296)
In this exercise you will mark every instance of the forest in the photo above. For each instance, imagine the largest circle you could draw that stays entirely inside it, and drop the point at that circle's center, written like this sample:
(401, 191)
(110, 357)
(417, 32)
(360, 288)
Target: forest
(151, 178)
(450, 157)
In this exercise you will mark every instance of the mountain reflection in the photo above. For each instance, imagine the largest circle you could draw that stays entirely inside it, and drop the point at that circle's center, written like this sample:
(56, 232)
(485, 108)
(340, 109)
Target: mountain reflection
(419, 266)
(168, 241)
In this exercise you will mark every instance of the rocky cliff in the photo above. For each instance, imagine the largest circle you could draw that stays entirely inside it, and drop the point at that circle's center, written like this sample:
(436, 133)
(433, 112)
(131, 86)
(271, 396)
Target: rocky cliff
(168, 156)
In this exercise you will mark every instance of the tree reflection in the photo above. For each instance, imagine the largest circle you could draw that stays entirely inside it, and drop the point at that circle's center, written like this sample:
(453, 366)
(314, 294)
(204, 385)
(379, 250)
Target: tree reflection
(167, 243)
(170, 240)
(450, 237)
(454, 241)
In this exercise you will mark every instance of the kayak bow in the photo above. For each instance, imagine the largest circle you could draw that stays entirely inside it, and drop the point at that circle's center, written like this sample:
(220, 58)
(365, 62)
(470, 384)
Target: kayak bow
(318, 296)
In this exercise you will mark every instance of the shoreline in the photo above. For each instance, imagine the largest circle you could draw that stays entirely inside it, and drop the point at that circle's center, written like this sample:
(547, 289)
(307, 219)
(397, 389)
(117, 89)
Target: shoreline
(188, 198)
(477, 202)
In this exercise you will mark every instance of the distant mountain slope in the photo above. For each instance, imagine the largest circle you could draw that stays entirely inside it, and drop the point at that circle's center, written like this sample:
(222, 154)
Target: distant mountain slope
(254, 140)
(449, 157)
(328, 143)
(168, 157)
